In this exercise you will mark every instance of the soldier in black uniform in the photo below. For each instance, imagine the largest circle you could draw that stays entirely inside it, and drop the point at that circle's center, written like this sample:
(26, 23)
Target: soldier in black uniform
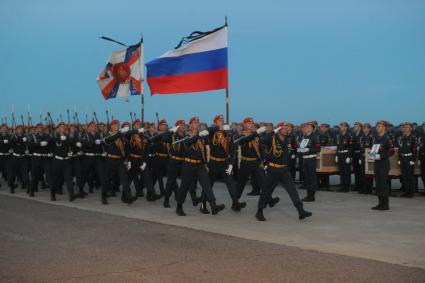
(325, 139)
(291, 142)
(366, 142)
(5, 149)
(382, 164)
(251, 156)
(76, 158)
(357, 156)
(421, 157)
(61, 164)
(160, 159)
(309, 147)
(18, 163)
(277, 155)
(343, 156)
(221, 159)
(116, 163)
(407, 144)
(40, 160)
(194, 168)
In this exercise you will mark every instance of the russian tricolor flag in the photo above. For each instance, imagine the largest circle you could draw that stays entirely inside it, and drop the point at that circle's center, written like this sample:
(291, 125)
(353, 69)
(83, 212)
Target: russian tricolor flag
(200, 65)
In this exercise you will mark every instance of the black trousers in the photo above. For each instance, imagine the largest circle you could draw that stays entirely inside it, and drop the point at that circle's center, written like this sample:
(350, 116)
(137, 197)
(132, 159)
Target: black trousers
(62, 170)
(116, 167)
(136, 175)
(422, 159)
(159, 171)
(358, 170)
(77, 170)
(18, 166)
(40, 166)
(274, 177)
(92, 171)
(344, 170)
(173, 171)
(217, 171)
(381, 169)
(407, 174)
(293, 164)
(309, 173)
(190, 173)
(247, 169)
(3, 165)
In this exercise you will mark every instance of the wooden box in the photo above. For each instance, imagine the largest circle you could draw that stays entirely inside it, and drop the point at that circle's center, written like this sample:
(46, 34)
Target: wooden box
(394, 167)
(326, 160)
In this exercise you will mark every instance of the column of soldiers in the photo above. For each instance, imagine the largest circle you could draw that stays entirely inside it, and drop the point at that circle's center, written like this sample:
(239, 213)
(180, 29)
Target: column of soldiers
(118, 155)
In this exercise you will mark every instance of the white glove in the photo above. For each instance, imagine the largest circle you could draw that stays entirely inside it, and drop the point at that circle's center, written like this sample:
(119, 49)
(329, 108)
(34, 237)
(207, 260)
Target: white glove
(24, 139)
(174, 129)
(141, 130)
(70, 154)
(360, 162)
(43, 143)
(63, 138)
(336, 159)
(124, 130)
(293, 156)
(412, 163)
(27, 151)
(143, 166)
(226, 127)
(348, 160)
(50, 154)
(398, 162)
(277, 130)
(79, 153)
(5, 141)
(78, 144)
(306, 149)
(128, 165)
(229, 170)
(104, 154)
(204, 133)
(261, 130)
(377, 156)
(97, 141)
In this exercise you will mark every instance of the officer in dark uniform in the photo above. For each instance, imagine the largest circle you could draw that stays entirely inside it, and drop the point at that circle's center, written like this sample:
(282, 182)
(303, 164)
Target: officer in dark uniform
(343, 156)
(407, 144)
(5, 149)
(251, 156)
(76, 158)
(194, 168)
(385, 148)
(325, 139)
(221, 159)
(278, 155)
(366, 142)
(116, 163)
(421, 157)
(309, 147)
(18, 163)
(357, 156)
(160, 159)
(61, 163)
(291, 142)
(40, 160)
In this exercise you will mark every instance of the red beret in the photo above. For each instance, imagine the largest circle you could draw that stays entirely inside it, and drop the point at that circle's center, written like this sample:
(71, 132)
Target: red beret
(281, 124)
(149, 124)
(60, 124)
(137, 121)
(218, 117)
(162, 122)
(193, 119)
(382, 122)
(179, 122)
(125, 124)
(115, 122)
(248, 120)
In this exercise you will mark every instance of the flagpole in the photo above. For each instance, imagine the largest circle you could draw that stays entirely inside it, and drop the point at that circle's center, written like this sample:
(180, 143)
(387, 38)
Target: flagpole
(141, 82)
(227, 88)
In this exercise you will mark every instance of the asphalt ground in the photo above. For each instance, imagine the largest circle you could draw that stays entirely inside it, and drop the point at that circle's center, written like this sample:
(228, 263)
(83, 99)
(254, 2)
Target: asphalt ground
(49, 243)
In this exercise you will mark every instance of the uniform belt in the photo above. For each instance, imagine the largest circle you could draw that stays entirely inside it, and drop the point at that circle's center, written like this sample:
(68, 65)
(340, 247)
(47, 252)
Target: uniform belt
(193, 161)
(309, 156)
(177, 158)
(275, 165)
(162, 154)
(406, 154)
(40, 154)
(135, 155)
(249, 158)
(357, 151)
(4, 154)
(91, 154)
(343, 151)
(218, 159)
(61, 158)
(114, 156)
(18, 155)
(152, 155)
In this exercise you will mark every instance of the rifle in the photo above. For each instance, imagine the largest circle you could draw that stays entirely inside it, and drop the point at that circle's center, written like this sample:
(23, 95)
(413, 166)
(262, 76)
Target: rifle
(69, 120)
(107, 120)
(97, 124)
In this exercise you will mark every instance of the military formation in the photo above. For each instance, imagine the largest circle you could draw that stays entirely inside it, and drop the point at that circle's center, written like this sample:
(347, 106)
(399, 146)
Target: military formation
(110, 158)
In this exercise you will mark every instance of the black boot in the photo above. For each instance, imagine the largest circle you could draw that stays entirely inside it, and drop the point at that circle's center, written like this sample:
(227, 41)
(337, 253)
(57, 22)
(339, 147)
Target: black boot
(52, 196)
(179, 210)
(204, 209)
(253, 193)
(273, 201)
(379, 205)
(301, 212)
(104, 198)
(72, 197)
(259, 215)
(385, 204)
(237, 206)
(166, 202)
(12, 188)
(309, 197)
(216, 208)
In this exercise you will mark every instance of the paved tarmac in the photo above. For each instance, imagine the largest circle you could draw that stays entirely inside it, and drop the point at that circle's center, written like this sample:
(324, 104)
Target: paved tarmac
(55, 243)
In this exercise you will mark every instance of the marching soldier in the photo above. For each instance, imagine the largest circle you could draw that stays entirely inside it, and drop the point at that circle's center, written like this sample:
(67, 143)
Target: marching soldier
(18, 164)
(343, 156)
(194, 168)
(291, 141)
(357, 156)
(116, 162)
(384, 148)
(160, 159)
(309, 147)
(407, 152)
(5, 149)
(366, 142)
(76, 149)
(325, 139)
(277, 155)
